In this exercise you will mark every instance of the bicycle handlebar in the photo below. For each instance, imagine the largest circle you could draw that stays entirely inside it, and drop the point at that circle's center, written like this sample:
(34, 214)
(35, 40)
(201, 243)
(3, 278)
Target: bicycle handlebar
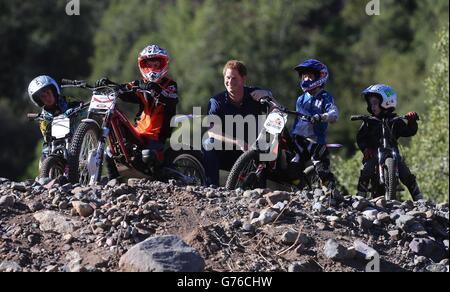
(269, 101)
(366, 118)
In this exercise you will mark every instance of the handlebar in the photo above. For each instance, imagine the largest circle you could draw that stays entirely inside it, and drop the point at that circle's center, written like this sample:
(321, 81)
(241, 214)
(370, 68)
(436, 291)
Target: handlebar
(366, 118)
(74, 83)
(39, 117)
(269, 101)
(68, 113)
(32, 116)
(65, 83)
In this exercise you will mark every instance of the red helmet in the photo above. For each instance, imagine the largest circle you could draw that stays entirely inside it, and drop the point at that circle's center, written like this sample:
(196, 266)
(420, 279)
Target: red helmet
(153, 52)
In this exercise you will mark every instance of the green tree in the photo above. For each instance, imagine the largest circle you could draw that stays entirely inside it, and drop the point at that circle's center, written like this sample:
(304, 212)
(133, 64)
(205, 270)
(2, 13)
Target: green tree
(428, 154)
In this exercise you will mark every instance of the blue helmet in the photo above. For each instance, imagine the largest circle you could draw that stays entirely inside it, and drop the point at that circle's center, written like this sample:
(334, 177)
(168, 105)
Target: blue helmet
(320, 70)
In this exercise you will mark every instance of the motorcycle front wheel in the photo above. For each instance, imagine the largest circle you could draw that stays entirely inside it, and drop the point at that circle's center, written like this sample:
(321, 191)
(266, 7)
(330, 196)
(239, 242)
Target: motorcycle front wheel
(243, 174)
(84, 144)
(52, 167)
(390, 178)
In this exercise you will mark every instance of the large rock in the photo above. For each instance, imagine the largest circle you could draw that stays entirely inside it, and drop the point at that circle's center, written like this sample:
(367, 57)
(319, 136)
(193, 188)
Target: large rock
(428, 248)
(162, 254)
(55, 222)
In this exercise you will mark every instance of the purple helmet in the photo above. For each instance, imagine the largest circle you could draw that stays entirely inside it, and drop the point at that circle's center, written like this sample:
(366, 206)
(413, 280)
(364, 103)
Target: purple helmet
(318, 68)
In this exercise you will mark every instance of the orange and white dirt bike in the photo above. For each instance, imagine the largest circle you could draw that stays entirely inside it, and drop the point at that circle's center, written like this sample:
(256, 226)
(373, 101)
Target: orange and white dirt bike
(106, 124)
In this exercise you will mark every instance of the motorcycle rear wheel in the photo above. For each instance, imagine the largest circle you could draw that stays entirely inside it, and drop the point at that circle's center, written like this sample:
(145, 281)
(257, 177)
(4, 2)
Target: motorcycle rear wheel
(189, 163)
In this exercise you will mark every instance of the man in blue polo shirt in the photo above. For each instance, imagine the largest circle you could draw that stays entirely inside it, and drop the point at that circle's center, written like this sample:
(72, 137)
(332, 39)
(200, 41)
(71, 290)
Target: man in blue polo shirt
(238, 99)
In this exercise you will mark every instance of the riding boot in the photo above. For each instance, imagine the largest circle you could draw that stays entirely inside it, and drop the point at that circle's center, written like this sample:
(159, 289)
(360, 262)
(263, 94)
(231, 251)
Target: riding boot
(111, 168)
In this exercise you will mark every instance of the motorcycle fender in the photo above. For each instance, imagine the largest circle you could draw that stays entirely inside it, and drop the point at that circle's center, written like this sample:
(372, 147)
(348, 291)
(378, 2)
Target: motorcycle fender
(91, 121)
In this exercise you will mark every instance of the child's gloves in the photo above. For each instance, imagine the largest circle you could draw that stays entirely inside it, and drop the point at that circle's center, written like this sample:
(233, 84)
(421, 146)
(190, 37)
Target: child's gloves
(102, 82)
(150, 86)
(369, 153)
(412, 116)
(316, 119)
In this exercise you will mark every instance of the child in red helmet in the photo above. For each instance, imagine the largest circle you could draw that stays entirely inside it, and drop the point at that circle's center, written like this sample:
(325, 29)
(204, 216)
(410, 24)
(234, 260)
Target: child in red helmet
(156, 108)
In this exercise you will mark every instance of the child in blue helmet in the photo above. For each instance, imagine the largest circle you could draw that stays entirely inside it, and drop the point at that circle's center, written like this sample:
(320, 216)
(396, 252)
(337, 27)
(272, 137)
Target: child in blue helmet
(310, 137)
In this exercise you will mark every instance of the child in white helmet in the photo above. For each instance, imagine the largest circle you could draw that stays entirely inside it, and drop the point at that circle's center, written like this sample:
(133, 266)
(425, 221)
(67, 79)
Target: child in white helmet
(45, 93)
(381, 102)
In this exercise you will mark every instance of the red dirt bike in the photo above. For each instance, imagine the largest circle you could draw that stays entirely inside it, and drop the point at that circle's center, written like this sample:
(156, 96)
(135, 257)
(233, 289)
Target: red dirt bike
(107, 124)
(252, 170)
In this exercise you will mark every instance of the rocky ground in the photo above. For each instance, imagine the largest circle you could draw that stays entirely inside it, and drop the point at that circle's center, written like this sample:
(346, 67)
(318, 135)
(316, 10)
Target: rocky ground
(153, 226)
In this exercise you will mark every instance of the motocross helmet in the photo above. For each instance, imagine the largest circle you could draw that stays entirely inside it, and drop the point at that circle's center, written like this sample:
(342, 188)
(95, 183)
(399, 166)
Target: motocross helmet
(40, 83)
(386, 94)
(153, 52)
(320, 71)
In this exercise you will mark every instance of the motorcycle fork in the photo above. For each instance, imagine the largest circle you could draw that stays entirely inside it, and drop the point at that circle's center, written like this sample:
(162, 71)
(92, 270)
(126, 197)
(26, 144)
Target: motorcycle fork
(381, 158)
(395, 157)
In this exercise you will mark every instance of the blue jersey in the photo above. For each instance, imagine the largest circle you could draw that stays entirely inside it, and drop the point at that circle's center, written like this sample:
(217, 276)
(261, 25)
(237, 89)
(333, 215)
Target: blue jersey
(323, 104)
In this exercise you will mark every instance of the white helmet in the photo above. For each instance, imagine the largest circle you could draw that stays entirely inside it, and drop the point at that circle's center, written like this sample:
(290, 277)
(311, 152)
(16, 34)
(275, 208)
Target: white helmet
(153, 52)
(387, 95)
(39, 83)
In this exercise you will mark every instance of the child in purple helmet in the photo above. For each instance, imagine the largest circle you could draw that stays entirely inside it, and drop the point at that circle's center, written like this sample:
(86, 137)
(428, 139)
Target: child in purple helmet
(310, 137)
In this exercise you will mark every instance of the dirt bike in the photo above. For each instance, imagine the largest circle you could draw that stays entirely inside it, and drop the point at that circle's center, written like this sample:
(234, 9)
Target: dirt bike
(107, 124)
(250, 171)
(385, 180)
(60, 132)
